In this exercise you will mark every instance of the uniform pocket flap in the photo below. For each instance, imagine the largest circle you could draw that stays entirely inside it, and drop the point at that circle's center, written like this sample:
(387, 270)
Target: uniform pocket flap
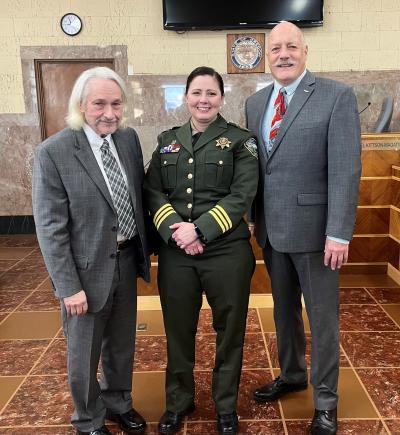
(219, 158)
(81, 262)
(312, 198)
(169, 159)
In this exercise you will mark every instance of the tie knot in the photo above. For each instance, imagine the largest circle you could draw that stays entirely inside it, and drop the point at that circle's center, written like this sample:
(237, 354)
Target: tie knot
(105, 146)
(195, 137)
(282, 91)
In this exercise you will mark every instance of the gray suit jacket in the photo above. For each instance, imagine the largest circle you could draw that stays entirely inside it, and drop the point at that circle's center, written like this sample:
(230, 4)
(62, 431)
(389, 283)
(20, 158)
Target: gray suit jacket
(76, 222)
(309, 183)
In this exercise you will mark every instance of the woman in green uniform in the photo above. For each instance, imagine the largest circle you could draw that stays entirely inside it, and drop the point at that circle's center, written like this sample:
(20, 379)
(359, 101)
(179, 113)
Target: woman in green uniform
(202, 179)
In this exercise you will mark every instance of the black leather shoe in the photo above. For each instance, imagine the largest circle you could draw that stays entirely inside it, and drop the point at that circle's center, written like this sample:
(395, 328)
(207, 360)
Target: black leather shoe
(276, 389)
(171, 422)
(324, 422)
(228, 424)
(130, 422)
(102, 431)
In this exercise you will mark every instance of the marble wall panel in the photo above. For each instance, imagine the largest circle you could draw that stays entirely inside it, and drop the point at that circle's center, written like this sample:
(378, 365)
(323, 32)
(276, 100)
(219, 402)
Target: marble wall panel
(155, 104)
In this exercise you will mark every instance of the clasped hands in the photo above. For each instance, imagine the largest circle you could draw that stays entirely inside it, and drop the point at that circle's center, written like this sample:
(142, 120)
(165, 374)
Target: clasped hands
(186, 238)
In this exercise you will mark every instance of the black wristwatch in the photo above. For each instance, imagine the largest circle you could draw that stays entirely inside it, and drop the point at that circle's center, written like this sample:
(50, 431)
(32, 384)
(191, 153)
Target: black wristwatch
(199, 233)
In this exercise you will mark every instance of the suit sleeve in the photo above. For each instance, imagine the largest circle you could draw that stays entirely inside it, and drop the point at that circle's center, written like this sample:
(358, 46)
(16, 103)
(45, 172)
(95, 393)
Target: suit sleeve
(227, 213)
(50, 210)
(161, 210)
(344, 166)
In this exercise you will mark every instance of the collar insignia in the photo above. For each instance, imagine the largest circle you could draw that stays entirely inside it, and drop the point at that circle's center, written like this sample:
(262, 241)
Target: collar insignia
(223, 142)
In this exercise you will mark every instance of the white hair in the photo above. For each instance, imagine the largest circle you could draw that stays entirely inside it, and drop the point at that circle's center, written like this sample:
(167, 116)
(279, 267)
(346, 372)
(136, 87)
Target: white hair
(75, 118)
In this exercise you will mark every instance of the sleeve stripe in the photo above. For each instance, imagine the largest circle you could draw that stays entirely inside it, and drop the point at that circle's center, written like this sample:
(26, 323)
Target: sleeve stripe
(163, 217)
(222, 218)
(160, 216)
(220, 223)
(160, 210)
(224, 213)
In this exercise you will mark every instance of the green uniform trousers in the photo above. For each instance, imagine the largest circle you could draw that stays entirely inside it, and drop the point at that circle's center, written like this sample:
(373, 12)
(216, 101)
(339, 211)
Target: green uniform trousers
(224, 273)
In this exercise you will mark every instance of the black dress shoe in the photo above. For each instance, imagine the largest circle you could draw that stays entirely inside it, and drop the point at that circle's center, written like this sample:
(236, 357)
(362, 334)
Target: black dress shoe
(171, 422)
(228, 424)
(102, 431)
(324, 422)
(130, 422)
(276, 389)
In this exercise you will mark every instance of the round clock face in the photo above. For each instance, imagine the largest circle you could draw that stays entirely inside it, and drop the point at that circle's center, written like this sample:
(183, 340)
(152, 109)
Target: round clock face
(246, 53)
(71, 24)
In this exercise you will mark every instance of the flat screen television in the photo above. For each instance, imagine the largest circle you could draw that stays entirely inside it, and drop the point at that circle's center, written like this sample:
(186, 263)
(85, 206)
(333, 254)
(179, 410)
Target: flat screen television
(232, 14)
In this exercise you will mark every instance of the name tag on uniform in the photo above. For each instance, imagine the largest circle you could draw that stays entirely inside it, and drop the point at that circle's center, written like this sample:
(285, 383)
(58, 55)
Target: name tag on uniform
(173, 147)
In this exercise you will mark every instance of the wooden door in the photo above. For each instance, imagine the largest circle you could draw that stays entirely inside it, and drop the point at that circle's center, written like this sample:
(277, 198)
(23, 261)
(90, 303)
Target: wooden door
(55, 79)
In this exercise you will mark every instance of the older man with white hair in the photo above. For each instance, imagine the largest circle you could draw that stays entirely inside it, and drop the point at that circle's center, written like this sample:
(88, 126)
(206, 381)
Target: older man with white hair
(87, 203)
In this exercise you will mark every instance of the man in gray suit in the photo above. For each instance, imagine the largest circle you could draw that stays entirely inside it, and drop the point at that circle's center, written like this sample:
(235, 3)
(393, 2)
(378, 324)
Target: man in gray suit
(87, 204)
(309, 132)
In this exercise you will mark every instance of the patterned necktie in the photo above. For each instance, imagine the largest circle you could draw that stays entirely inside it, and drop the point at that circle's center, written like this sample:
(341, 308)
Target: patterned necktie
(280, 110)
(121, 199)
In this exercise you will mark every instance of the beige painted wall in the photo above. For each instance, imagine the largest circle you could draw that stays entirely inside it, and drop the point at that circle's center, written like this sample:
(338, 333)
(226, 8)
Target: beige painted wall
(357, 35)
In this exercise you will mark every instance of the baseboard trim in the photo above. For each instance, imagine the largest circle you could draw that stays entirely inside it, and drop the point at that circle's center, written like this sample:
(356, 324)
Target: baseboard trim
(17, 225)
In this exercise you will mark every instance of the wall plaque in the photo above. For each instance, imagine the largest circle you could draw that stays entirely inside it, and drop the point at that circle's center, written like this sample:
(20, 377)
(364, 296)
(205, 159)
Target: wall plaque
(245, 53)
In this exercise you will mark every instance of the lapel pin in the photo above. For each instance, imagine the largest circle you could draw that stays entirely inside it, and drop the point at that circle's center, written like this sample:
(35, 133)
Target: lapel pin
(306, 91)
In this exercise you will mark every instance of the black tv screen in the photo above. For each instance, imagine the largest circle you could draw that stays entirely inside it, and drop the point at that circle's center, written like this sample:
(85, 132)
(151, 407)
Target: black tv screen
(224, 14)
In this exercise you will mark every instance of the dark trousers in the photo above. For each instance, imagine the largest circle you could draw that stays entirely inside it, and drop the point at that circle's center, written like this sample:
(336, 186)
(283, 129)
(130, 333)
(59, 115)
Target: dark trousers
(291, 275)
(109, 333)
(223, 272)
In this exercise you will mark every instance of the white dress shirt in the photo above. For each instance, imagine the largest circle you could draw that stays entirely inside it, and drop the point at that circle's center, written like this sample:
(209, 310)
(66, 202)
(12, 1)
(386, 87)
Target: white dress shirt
(95, 142)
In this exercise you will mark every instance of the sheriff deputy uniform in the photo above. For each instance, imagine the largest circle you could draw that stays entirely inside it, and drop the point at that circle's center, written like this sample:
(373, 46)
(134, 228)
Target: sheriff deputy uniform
(210, 182)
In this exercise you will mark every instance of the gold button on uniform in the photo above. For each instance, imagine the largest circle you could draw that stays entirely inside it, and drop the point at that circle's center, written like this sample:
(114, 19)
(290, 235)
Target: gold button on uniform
(190, 205)
(220, 162)
(189, 190)
(165, 162)
(190, 176)
(190, 160)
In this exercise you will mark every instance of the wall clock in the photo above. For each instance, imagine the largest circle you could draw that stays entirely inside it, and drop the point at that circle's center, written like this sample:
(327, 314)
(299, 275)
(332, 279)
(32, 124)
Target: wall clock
(71, 24)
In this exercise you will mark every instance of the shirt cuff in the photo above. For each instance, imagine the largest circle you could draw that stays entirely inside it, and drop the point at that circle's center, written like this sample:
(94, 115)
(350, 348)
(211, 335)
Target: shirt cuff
(336, 239)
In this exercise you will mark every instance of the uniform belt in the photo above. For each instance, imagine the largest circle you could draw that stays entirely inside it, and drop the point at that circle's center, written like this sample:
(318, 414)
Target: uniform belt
(123, 244)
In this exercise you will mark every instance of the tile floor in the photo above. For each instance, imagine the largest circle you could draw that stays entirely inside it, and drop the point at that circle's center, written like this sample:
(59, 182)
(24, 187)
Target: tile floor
(34, 396)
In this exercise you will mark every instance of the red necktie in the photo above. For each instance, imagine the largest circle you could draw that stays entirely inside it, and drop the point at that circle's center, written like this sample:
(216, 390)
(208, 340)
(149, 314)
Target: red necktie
(280, 110)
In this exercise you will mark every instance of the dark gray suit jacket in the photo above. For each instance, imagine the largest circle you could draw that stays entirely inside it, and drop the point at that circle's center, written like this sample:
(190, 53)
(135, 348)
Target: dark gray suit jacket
(76, 222)
(308, 186)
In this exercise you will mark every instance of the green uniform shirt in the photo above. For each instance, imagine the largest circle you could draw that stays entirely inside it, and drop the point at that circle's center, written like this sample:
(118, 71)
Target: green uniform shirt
(211, 184)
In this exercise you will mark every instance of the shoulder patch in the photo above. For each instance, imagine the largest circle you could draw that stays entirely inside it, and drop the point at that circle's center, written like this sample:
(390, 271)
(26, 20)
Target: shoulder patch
(238, 126)
(251, 146)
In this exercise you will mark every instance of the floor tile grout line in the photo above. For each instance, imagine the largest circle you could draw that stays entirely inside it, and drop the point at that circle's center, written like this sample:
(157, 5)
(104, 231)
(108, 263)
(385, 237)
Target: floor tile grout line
(143, 372)
(381, 306)
(29, 373)
(15, 308)
(366, 391)
(30, 294)
(18, 260)
(271, 370)
(247, 420)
